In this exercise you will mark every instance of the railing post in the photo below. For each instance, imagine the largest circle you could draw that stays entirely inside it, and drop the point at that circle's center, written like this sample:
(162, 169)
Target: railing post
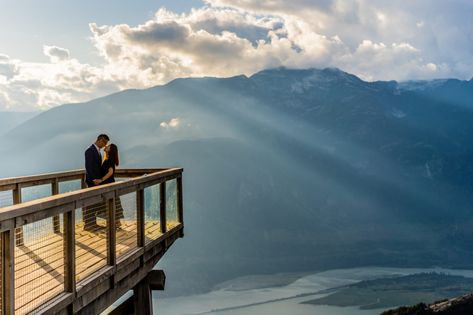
(17, 200)
(111, 232)
(8, 275)
(85, 210)
(162, 206)
(82, 182)
(69, 252)
(140, 216)
(56, 221)
(180, 206)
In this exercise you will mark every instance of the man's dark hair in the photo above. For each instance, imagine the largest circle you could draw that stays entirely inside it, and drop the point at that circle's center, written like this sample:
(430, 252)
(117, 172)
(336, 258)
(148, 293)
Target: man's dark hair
(103, 136)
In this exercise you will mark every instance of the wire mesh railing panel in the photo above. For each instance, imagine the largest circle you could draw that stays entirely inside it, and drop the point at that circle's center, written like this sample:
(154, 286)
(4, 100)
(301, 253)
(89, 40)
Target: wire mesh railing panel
(35, 192)
(90, 239)
(152, 217)
(6, 198)
(171, 204)
(39, 265)
(70, 185)
(126, 223)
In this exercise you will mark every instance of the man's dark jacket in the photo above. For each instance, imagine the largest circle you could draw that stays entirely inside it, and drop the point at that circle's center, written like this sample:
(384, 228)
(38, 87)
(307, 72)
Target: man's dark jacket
(93, 162)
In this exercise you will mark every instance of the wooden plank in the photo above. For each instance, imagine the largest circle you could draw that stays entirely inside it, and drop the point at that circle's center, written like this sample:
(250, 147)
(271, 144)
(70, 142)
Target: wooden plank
(55, 191)
(7, 187)
(69, 251)
(125, 308)
(40, 249)
(37, 268)
(125, 271)
(111, 233)
(142, 298)
(180, 204)
(38, 178)
(59, 305)
(37, 182)
(41, 215)
(140, 216)
(162, 206)
(157, 279)
(137, 172)
(88, 284)
(8, 279)
(34, 297)
(17, 200)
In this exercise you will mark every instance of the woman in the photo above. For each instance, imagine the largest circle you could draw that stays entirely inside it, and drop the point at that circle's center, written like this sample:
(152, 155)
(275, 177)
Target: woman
(110, 162)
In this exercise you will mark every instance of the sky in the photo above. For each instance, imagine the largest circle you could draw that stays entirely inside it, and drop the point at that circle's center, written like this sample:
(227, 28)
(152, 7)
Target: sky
(54, 52)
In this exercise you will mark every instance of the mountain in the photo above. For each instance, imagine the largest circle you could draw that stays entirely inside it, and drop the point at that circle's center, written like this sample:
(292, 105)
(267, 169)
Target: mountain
(454, 306)
(286, 170)
(10, 120)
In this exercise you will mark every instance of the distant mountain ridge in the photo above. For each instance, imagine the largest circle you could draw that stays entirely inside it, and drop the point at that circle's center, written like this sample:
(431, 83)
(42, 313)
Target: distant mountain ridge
(286, 170)
(10, 120)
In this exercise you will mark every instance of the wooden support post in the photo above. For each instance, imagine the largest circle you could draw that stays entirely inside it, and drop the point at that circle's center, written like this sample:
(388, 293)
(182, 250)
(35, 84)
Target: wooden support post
(142, 297)
(56, 221)
(8, 269)
(111, 232)
(16, 200)
(69, 252)
(126, 308)
(140, 217)
(157, 280)
(162, 206)
(180, 205)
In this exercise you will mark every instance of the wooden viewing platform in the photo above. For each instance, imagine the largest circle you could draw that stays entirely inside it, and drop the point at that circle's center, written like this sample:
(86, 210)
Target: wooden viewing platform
(52, 264)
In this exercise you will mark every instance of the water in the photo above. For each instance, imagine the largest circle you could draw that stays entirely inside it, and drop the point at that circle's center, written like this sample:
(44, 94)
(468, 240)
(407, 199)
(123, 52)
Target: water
(284, 299)
(293, 306)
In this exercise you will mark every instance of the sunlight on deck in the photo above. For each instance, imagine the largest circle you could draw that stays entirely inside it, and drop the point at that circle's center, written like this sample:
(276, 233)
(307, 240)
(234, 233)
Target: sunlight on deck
(39, 266)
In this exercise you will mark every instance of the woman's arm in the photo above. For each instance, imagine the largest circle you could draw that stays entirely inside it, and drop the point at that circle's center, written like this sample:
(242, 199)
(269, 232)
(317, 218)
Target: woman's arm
(107, 176)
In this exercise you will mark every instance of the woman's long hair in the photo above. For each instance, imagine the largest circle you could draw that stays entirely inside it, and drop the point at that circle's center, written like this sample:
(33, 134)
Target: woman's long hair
(112, 155)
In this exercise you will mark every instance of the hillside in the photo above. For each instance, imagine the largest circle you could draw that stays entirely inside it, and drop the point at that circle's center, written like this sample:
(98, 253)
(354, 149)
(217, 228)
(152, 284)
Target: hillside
(390, 292)
(10, 120)
(286, 170)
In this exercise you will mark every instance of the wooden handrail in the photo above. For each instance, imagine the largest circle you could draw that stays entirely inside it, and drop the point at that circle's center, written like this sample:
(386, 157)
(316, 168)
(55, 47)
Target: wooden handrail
(48, 178)
(26, 181)
(38, 209)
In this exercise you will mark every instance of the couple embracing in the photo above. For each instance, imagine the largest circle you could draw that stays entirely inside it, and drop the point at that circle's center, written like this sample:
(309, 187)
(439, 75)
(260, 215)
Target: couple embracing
(100, 171)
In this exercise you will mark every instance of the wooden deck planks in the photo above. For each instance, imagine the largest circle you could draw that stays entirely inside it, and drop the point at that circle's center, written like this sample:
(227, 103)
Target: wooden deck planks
(39, 265)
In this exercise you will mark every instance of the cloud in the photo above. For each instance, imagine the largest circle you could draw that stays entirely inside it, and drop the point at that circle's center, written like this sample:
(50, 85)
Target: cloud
(173, 123)
(55, 53)
(380, 40)
(8, 67)
(26, 86)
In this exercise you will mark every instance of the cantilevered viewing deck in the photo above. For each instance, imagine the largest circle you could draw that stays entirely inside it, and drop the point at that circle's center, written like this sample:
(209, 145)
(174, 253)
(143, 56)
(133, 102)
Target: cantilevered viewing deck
(54, 261)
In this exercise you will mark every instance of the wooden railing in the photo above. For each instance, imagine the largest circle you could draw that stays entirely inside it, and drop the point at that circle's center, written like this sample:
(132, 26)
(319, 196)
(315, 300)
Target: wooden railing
(48, 258)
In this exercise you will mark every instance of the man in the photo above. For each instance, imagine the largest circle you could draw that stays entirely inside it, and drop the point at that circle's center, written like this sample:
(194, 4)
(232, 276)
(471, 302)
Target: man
(93, 163)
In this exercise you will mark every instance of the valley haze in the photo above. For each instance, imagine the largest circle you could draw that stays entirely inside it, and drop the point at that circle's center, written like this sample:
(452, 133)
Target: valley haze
(286, 170)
